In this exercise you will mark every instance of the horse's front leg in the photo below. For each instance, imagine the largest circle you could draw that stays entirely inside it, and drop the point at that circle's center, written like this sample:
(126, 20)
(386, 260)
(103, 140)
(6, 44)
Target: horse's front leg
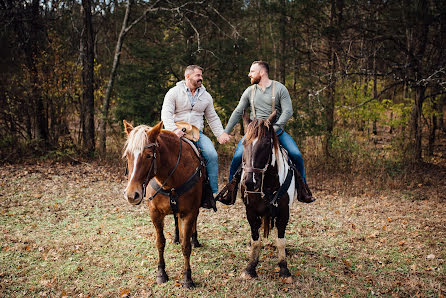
(281, 222)
(158, 222)
(256, 244)
(186, 224)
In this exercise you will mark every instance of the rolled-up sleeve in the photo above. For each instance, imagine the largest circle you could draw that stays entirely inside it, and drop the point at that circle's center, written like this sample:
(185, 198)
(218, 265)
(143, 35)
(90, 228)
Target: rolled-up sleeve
(238, 112)
(287, 109)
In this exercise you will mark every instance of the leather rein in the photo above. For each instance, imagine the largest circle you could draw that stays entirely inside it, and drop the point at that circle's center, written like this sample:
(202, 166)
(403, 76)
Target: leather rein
(275, 195)
(172, 193)
(154, 147)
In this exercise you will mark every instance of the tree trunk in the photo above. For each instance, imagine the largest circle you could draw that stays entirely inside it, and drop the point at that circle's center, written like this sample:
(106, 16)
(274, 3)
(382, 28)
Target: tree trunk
(111, 80)
(432, 132)
(416, 126)
(88, 79)
(282, 28)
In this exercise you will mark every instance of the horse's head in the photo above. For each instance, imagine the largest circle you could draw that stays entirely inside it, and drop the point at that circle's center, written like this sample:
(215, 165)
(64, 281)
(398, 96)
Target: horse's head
(141, 149)
(258, 151)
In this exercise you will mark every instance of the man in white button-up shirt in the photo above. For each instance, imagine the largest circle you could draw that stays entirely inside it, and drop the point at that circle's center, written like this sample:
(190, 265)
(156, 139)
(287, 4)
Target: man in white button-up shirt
(188, 102)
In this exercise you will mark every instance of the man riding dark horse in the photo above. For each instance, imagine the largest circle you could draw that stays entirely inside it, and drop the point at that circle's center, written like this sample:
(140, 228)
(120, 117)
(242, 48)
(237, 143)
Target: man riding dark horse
(265, 96)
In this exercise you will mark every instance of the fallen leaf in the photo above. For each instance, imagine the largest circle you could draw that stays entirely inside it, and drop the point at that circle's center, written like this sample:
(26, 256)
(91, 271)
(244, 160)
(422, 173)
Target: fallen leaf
(124, 292)
(430, 257)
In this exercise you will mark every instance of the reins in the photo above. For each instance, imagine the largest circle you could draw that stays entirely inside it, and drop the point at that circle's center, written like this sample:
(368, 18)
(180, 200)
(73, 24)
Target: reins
(260, 171)
(144, 185)
(270, 197)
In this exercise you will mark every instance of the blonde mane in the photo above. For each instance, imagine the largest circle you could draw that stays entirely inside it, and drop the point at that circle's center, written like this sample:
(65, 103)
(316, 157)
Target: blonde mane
(136, 139)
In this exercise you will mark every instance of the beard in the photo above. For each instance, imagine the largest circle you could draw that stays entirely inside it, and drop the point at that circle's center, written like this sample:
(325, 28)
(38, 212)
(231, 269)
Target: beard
(197, 84)
(255, 80)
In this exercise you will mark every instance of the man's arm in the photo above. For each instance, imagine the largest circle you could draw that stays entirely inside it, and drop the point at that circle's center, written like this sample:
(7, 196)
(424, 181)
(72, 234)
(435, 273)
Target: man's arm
(238, 112)
(213, 119)
(168, 110)
(287, 109)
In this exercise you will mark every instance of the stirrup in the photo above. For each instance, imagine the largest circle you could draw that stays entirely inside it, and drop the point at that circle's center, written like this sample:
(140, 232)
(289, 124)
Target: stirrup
(228, 194)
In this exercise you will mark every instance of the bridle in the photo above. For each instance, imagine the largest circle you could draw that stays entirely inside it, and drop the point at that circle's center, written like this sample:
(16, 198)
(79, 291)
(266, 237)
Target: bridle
(153, 169)
(261, 171)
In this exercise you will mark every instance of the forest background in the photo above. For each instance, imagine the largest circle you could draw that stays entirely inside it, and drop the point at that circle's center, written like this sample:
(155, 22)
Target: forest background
(359, 73)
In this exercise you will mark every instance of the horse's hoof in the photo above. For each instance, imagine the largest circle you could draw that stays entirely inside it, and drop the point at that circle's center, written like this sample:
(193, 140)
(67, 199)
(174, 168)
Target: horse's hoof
(188, 284)
(284, 272)
(196, 244)
(176, 240)
(161, 278)
(246, 275)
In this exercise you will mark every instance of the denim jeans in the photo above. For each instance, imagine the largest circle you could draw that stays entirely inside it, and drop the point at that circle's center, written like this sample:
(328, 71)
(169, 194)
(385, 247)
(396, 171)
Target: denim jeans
(211, 157)
(286, 141)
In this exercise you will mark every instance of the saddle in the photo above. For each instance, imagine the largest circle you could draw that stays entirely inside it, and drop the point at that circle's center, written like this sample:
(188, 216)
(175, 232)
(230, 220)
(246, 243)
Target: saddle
(207, 199)
(191, 132)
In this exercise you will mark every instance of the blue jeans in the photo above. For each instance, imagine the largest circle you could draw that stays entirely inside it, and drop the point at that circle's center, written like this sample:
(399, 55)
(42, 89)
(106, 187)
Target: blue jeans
(286, 141)
(211, 157)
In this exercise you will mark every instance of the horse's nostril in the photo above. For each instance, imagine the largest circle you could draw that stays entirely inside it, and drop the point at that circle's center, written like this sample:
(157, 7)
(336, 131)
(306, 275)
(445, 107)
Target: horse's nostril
(249, 184)
(136, 196)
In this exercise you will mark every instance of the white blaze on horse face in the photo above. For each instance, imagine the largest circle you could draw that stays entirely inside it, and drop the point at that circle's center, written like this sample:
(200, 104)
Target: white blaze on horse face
(135, 161)
(273, 157)
(252, 161)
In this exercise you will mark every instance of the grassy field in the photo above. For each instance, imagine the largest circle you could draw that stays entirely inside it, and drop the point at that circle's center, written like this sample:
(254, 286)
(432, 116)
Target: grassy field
(67, 231)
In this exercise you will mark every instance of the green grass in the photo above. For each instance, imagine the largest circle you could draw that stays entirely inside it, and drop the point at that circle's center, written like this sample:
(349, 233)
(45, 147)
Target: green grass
(66, 230)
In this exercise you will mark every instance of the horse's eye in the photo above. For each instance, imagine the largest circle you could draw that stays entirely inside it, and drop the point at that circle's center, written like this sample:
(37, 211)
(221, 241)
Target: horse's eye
(149, 155)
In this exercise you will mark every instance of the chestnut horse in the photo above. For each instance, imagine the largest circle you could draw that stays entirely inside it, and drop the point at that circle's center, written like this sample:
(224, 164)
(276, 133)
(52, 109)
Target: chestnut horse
(160, 154)
(267, 189)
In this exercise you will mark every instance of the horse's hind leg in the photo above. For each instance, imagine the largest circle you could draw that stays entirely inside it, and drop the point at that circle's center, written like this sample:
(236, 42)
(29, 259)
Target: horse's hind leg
(195, 242)
(256, 245)
(158, 222)
(281, 222)
(186, 224)
(176, 239)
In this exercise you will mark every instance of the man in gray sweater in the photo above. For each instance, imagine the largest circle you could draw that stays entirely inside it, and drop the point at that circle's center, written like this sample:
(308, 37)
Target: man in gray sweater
(188, 102)
(261, 93)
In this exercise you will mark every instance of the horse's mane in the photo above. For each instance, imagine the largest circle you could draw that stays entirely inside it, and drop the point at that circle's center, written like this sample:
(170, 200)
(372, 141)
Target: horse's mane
(260, 128)
(136, 139)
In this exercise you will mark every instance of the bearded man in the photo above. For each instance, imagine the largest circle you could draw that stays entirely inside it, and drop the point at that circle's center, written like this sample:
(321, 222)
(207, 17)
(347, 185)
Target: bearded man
(188, 102)
(261, 96)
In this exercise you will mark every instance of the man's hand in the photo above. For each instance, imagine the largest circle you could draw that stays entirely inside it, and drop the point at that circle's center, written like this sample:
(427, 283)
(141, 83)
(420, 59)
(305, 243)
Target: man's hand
(223, 138)
(179, 132)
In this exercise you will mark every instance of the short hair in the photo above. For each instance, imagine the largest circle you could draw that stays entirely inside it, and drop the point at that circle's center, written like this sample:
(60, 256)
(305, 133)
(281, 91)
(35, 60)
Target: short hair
(191, 69)
(262, 64)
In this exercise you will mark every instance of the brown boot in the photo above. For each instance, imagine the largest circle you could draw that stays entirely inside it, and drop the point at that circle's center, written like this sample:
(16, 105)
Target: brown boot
(208, 200)
(228, 194)
(304, 192)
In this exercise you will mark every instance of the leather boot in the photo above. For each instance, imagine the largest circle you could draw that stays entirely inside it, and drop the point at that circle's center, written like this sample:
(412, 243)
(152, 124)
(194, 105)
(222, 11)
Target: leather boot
(228, 194)
(208, 200)
(304, 193)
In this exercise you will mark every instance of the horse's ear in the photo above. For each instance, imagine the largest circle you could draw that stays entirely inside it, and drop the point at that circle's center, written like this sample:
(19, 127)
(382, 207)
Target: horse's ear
(127, 127)
(155, 132)
(246, 119)
(272, 117)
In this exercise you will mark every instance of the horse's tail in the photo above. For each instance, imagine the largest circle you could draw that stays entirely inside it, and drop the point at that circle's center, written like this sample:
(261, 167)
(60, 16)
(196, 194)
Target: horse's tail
(266, 220)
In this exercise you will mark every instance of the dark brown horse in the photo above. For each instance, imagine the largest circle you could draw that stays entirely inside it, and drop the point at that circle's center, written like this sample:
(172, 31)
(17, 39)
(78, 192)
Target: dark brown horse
(156, 153)
(266, 174)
